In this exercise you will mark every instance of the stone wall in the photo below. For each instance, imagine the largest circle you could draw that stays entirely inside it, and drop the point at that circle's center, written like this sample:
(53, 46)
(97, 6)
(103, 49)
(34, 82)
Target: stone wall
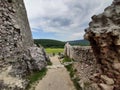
(83, 63)
(79, 53)
(104, 36)
(18, 55)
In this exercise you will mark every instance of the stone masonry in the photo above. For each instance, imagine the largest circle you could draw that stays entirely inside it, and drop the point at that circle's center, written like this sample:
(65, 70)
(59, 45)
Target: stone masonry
(104, 36)
(79, 53)
(83, 63)
(19, 57)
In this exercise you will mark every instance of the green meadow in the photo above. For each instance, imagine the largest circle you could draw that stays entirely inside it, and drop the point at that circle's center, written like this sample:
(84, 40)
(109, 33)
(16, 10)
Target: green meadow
(54, 50)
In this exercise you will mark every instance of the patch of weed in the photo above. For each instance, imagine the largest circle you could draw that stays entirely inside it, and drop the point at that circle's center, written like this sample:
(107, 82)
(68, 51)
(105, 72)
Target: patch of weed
(72, 73)
(35, 77)
(49, 63)
(76, 84)
(66, 59)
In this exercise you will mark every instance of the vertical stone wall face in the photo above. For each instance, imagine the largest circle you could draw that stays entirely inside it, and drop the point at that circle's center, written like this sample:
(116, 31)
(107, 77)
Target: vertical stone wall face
(22, 21)
(79, 53)
(15, 34)
(104, 36)
(18, 55)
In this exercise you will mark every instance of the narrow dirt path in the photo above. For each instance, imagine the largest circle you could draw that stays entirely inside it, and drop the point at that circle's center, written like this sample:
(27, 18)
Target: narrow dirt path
(57, 77)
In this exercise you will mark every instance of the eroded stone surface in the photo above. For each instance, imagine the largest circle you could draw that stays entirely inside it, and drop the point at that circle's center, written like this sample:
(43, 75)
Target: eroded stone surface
(84, 64)
(18, 55)
(104, 36)
(79, 53)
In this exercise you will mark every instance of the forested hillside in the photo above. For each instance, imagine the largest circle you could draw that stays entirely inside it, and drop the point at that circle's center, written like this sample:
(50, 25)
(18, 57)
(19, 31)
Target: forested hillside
(80, 42)
(48, 43)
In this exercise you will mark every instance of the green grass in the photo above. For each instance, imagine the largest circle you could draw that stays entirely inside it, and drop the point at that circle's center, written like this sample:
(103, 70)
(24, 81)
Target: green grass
(70, 69)
(49, 63)
(66, 59)
(72, 73)
(73, 77)
(76, 84)
(54, 50)
(35, 77)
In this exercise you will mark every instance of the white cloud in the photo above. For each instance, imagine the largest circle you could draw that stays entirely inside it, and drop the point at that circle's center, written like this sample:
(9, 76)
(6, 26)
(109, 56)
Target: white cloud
(66, 18)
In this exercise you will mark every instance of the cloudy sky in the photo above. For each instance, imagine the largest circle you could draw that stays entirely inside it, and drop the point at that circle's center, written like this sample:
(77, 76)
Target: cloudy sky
(62, 19)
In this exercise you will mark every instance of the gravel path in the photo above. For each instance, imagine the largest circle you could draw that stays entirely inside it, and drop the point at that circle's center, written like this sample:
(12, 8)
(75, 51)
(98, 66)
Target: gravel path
(57, 78)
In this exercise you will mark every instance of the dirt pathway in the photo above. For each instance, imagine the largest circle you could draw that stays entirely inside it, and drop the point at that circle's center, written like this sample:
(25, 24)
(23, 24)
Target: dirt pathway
(57, 78)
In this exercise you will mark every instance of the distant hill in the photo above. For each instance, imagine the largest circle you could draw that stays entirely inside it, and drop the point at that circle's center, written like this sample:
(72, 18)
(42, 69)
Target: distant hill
(48, 43)
(80, 42)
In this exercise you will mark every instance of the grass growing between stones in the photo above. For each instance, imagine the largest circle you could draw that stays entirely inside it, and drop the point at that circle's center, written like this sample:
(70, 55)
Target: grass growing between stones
(49, 63)
(66, 59)
(72, 73)
(33, 78)
(70, 69)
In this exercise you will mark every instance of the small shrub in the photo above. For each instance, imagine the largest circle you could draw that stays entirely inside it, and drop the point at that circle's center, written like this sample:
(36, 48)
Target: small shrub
(49, 63)
(67, 59)
(75, 70)
(59, 53)
(53, 54)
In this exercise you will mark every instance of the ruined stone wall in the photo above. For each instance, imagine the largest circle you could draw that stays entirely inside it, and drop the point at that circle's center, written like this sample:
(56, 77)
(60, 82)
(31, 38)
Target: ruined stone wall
(83, 63)
(18, 55)
(22, 21)
(15, 34)
(104, 36)
(79, 53)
